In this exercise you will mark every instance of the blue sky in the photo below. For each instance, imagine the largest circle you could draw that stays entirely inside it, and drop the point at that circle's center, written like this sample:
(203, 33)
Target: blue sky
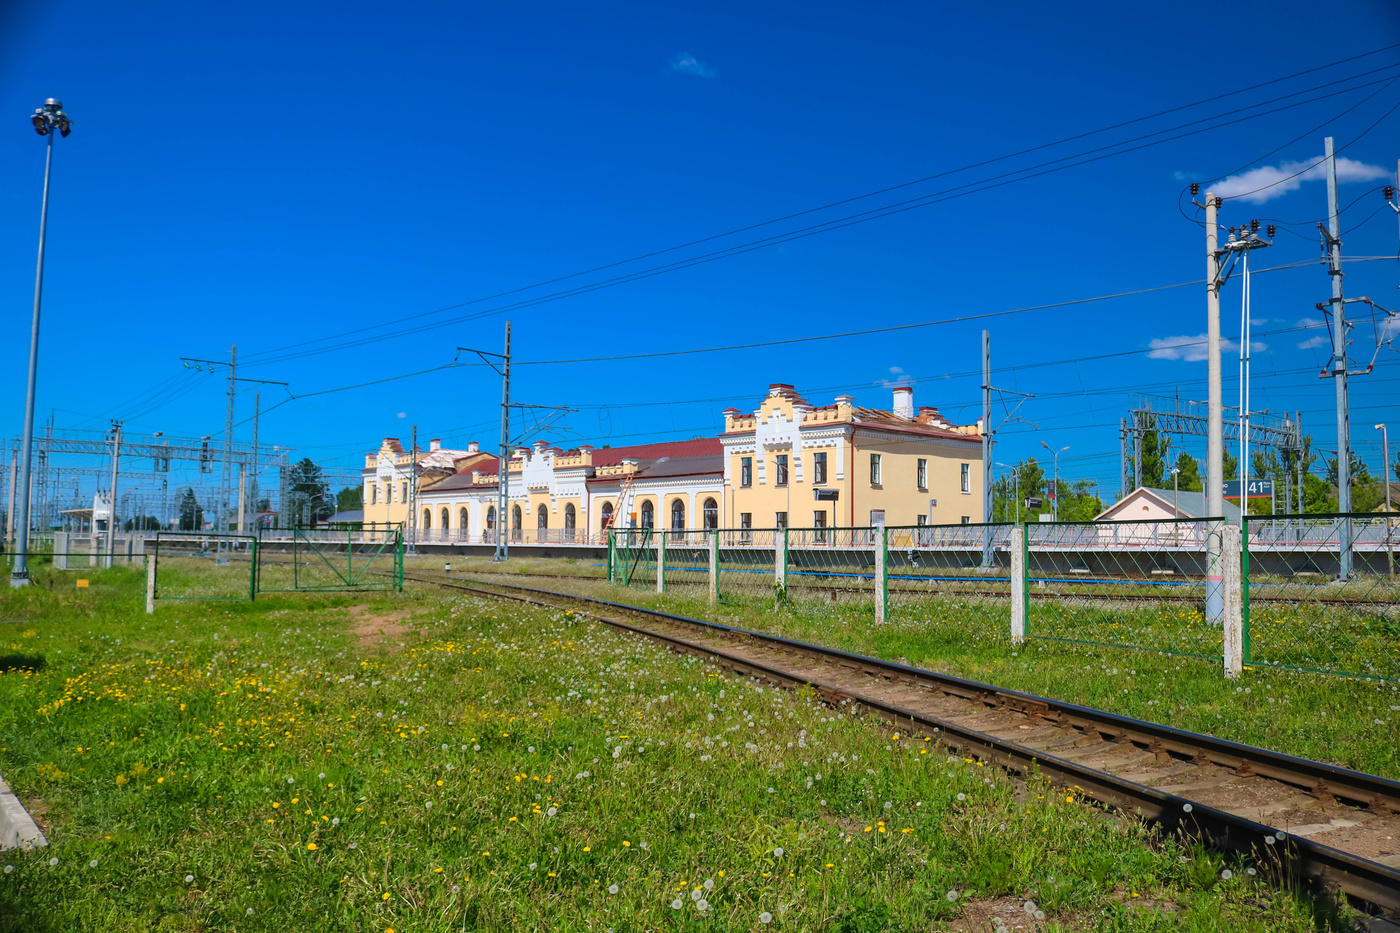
(269, 175)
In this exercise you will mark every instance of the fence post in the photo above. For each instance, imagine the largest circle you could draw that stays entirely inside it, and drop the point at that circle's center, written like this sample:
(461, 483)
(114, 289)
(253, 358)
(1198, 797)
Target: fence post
(612, 558)
(661, 562)
(780, 546)
(1018, 584)
(151, 583)
(714, 565)
(1234, 603)
(882, 589)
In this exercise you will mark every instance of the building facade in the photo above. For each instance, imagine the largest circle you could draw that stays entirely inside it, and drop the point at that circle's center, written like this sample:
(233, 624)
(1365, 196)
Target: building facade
(793, 464)
(788, 463)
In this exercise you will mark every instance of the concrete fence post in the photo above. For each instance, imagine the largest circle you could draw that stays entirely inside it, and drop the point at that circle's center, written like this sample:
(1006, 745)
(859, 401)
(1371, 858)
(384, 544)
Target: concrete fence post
(780, 542)
(1234, 599)
(882, 592)
(661, 562)
(714, 565)
(151, 582)
(1018, 584)
(612, 558)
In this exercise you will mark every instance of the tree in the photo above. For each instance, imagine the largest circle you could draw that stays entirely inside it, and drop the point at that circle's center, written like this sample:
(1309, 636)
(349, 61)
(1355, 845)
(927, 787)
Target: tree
(1188, 477)
(191, 515)
(148, 523)
(1230, 466)
(1153, 462)
(350, 499)
(308, 492)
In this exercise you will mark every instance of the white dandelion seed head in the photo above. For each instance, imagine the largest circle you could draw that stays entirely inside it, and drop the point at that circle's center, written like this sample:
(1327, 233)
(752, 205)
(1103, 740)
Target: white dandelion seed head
(765, 917)
(476, 748)
(92, 864)
(189, 879)
(951, 895)
(1187, 808)
(322, 775)
(551, 811)
(250, 911)
(702, 905)
(291, 780)
(696, 895)
(534, 865)
(677, 904)
(354, 845)
(1226, 875)
(612, 889)
(456, 889)
(1029, 908)
(778, 852)
(429, 804)
(1040, 915)
(709, 884)
(531, 748)
(888, 805)
(1268, 840)
(1280, 835)
(962, 796)
(9, 868)
(1251, 872)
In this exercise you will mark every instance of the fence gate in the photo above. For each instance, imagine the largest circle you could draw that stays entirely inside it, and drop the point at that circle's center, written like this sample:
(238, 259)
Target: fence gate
(191, 565)
(338, 556)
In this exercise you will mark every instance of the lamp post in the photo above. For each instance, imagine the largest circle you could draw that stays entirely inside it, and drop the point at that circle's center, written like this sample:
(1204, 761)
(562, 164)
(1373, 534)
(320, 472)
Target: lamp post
(1385, 472)
(48, 120)
(1055, 502)
(1016, 483)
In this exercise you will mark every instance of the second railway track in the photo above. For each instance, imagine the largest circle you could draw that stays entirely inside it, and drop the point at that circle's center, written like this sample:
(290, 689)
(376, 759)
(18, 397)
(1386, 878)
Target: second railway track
(1305, 821)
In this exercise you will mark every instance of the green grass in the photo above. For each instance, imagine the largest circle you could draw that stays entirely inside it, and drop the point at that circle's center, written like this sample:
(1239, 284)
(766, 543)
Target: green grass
(1348, 721)
(259, 766)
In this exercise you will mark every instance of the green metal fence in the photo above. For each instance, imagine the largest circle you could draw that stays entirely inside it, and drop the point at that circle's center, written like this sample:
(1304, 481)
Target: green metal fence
(337, 556)
(953, 576)
(190, 566)
(1140, 585)
(1322, 593)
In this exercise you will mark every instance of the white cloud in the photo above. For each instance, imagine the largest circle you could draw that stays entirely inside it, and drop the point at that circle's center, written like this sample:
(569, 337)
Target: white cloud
(1310, 322)
(688, 64)
(899, 378)
(1193, 349)
(1312, 342)
(1272, 181)
(402, 414)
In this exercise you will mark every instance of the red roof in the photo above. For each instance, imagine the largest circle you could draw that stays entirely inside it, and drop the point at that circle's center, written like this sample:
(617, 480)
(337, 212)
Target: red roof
(696, 447)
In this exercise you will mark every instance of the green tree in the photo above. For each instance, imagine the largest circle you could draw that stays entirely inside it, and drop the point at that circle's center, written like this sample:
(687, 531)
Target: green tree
(350, 499)
(308, 493)
(1188, 477)
(1230, 466)
(191, 515)
(148, 523)
(1154, 466)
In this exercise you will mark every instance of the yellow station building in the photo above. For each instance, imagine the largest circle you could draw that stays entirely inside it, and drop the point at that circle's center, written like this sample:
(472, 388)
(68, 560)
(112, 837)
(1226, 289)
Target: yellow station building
(793, 464)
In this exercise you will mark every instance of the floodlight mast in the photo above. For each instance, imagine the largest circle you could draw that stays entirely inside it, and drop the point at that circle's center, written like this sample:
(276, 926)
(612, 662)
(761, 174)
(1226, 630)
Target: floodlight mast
(48, 120)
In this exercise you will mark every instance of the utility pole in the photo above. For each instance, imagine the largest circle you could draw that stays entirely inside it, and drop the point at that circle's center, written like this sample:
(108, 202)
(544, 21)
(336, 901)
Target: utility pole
(112, 515)
(503, 471)
(413, 492)
(48, 120)
(987, 446)
(1332, 235)
(1055, 500)
(253, 464)
(1389, 522)
(1215, 421)
(226, 480)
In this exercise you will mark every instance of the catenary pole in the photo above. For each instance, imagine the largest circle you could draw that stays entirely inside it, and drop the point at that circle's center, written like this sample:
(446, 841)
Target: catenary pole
(1339, 365)
(112, 514)
(503, 467)
(1215, 431)
(47, 120)
(987, 446)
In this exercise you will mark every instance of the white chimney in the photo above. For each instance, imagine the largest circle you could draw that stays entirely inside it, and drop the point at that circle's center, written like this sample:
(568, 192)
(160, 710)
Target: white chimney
(474, 447)
(435, 444)
(904, 401)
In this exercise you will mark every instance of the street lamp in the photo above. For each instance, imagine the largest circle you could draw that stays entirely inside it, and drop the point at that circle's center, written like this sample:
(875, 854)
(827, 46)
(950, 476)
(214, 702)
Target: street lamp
(48, 120)
(1389, 523)
(1016, 480)
(1055, 502)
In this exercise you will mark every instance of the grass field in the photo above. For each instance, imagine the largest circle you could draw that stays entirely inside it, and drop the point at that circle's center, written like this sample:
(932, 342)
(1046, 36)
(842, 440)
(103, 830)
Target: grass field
(379, 762)
(1347, 721)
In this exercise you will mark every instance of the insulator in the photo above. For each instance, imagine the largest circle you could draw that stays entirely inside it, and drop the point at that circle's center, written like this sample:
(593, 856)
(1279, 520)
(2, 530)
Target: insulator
(1272, 230)
(1254, 226)
(1196, 189)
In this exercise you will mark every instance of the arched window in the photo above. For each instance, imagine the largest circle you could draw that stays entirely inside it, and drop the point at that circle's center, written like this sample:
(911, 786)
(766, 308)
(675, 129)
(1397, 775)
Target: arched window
(446, 519)
(462, 522)
(515, 524)
(648, 515)
(491, 519)
(374, 494)
(427, 519)
(711, 514)
(542, 517)
(570, 521)
(607, 521)
(677, 515)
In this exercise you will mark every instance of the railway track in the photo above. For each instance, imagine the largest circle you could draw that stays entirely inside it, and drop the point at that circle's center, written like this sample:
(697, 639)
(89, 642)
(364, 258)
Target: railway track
(1298, 821)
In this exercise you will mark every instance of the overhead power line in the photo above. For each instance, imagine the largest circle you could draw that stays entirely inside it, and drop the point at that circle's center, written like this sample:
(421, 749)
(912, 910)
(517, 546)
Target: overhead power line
(837, 223)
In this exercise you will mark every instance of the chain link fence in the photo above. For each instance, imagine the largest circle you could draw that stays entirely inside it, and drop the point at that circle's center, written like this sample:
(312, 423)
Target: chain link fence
(1323, 595)
(191, 566)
